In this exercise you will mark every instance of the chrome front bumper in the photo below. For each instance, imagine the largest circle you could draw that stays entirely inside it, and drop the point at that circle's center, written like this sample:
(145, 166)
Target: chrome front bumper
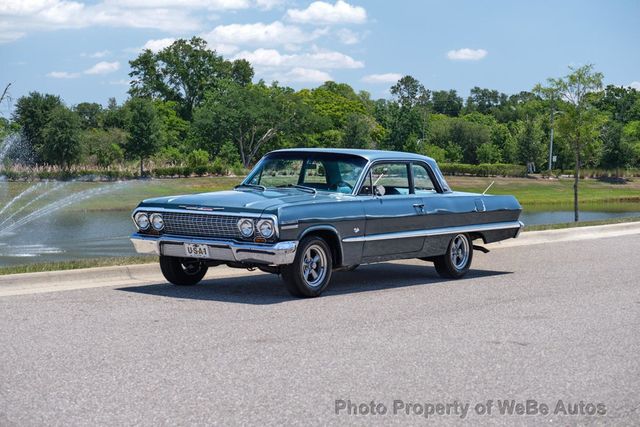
(279, 253)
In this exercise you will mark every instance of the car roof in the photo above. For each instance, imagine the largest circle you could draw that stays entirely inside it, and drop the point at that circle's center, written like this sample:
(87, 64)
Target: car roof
(370, 155)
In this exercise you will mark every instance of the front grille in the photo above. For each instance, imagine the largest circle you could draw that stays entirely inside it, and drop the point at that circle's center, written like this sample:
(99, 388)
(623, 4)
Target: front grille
(201, 225)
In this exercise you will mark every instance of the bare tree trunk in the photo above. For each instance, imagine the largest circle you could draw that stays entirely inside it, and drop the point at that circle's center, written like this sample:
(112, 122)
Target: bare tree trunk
(141, 167)
(575, 186)
(5, 93)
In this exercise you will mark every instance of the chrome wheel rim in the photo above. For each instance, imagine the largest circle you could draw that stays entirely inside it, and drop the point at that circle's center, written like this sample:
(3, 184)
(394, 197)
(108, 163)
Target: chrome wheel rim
(459, 251)
(314, 266)
(191, 268)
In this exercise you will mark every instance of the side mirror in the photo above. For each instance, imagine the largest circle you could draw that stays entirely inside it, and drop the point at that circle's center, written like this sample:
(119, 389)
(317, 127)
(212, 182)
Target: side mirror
(379, 190)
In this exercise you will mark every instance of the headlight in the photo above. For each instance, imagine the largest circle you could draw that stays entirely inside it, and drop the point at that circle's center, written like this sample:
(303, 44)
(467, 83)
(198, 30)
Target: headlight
(246, 227)
(156, 221)
(142, 221)
(265, 227)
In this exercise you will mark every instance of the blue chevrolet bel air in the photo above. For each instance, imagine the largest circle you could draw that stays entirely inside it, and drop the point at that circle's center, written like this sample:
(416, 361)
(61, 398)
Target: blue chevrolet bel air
(304, 213)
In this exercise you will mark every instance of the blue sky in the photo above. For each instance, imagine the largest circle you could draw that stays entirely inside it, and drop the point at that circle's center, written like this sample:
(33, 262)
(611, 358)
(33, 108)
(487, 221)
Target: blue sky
(80, 51)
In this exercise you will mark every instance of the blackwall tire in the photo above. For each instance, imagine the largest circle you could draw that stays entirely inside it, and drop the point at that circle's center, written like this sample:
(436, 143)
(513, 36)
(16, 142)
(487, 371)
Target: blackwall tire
(457, 261)
(309, 274)
(182, 271)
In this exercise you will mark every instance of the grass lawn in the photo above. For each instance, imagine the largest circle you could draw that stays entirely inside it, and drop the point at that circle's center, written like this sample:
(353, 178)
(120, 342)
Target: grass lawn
(74, 265)
(531, 191)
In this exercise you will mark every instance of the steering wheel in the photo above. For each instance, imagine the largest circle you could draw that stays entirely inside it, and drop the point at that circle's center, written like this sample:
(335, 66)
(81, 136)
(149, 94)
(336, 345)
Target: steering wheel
(341, 184)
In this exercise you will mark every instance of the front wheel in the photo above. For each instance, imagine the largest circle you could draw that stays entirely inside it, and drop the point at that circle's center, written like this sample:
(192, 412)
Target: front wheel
(310, 272)
(182, 271)
(457, 261)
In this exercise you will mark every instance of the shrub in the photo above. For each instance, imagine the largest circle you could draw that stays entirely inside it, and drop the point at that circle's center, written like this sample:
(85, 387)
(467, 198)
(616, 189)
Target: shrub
(218, 167)
(484, 169)
(197, 158)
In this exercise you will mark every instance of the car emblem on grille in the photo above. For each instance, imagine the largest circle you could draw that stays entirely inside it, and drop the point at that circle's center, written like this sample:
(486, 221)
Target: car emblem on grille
(201, 208)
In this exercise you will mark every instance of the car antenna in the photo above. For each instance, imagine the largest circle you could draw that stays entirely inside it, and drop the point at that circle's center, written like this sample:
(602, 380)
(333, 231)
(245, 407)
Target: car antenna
(487, 189)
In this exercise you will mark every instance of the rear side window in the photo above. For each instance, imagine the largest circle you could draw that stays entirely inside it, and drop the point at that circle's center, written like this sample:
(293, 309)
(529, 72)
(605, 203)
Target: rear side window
(394, 177)
(422, 181)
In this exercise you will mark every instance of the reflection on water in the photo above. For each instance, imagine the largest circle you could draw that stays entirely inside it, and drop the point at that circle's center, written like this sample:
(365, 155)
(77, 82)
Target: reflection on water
(69, 235)
(557, 217)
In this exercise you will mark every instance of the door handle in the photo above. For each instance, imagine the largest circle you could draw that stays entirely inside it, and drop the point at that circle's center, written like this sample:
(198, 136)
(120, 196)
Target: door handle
(418, 205)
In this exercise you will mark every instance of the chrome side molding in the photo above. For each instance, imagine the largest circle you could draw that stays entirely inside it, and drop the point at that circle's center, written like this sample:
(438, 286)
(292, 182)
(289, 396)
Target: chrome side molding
(437, 231)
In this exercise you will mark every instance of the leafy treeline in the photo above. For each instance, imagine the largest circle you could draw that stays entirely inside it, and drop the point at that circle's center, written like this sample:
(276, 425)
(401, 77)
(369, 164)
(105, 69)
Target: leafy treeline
(190, 106)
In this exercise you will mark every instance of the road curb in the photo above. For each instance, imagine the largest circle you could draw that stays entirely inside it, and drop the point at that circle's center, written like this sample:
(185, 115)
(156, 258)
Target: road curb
(570, 234)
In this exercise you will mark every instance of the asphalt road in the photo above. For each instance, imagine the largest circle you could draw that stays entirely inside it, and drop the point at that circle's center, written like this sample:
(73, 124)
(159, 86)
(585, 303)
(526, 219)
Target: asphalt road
(542, 323)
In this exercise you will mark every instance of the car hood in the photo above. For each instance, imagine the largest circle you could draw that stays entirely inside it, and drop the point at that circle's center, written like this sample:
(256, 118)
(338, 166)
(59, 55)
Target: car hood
(255, 201)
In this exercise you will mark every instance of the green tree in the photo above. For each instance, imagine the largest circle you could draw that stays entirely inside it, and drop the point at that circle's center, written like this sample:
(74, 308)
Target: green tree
(334, 103)
(174, 129)
(183, 72)
(622, 103)
(484, 101)
(144, 130)
(530, 140)
(33, 113)
(446, 102)
(114, 116)
(89, 113)
(103, 147)
(62, 138)
(581, 120)
(409, 113)
(358, 131)
(197, 158)
(489, 153)
(409, 92)
(252, 116)
(469, 136)
(618, 152)
(437, 153)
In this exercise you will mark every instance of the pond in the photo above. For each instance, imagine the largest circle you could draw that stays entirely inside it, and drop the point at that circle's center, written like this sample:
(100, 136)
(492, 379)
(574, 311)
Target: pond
(77, 231)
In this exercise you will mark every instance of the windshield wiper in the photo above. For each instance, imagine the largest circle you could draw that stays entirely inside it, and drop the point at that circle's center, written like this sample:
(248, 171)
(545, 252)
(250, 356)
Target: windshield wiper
(256, 186)
(299, 187)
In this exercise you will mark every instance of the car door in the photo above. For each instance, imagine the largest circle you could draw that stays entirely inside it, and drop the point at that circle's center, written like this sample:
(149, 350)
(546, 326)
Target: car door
(392, 212)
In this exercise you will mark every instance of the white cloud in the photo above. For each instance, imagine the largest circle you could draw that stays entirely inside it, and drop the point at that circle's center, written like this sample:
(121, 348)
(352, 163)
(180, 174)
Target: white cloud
(63, 75)
(259, 34)
(98, 54)
(268, 4)
(382, 78)
(189, 4)
(18, 17)
(156, 45)
(319, 59)
(320, 12)
(635, 85)
(223, 48)
(103, 68)
(467, 54)
(347, 36)
(305, 75)
(121, 82)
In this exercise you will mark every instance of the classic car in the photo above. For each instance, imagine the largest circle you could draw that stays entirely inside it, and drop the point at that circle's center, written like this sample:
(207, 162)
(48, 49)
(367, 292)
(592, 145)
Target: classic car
(304, 213)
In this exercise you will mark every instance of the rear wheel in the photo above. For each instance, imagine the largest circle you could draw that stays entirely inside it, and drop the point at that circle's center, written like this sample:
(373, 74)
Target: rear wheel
(457, 261)
(310, 272)
(182, 271)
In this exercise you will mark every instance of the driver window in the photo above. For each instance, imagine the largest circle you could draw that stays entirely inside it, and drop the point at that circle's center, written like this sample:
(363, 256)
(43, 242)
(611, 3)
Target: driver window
(390, 179)
(315, 174)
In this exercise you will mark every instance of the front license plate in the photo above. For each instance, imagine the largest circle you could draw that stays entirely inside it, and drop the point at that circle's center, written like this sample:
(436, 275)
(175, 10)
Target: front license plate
(196, 251)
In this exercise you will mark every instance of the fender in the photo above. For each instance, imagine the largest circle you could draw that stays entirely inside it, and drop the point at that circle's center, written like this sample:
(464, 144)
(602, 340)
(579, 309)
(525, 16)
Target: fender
(331, 229)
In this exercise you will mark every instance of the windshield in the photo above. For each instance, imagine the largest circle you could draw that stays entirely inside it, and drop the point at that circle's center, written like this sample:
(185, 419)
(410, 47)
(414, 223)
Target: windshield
(332, 172)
